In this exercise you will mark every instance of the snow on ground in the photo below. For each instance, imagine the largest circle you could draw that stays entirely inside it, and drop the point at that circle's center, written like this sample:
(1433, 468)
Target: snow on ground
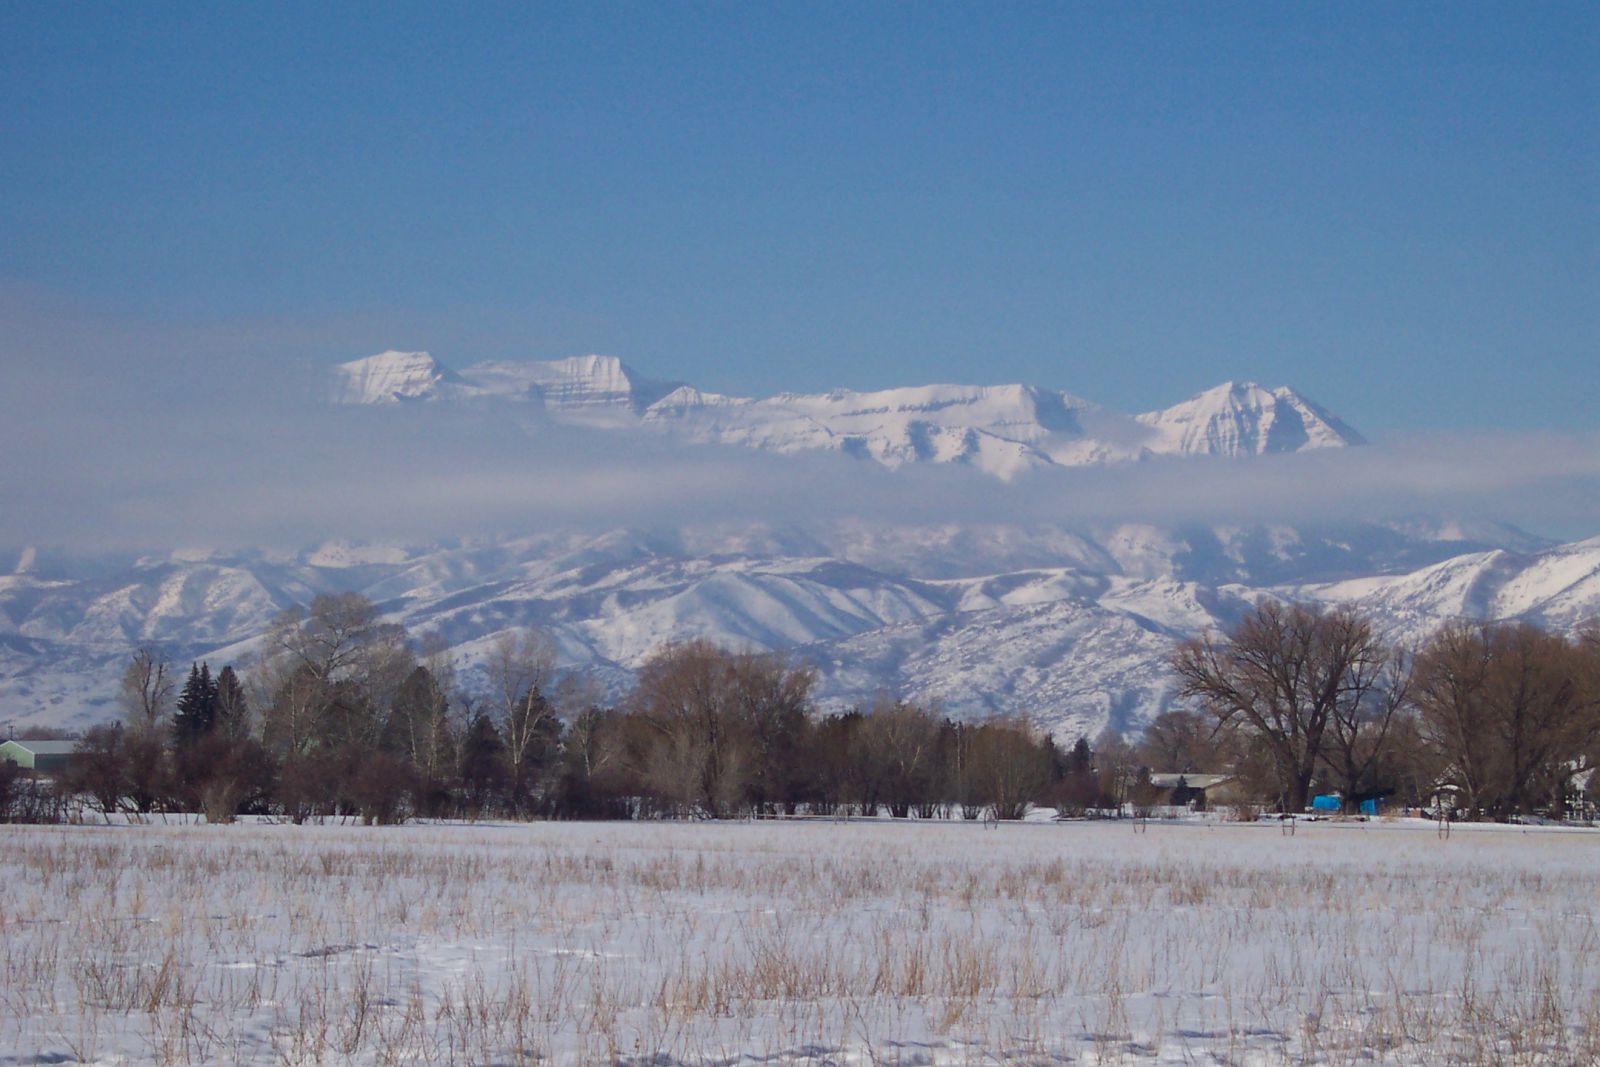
(865, 942)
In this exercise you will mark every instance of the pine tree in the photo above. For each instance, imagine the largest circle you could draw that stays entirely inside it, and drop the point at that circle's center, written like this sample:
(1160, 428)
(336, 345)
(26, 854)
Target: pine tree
(197, 707)
(232, 714)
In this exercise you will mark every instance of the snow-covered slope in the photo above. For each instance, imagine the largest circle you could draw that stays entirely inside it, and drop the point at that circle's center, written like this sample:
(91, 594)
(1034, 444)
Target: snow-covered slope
(1003, 430)
(1558, 589)
(1070, 627)
(582, 385)
(995, 428)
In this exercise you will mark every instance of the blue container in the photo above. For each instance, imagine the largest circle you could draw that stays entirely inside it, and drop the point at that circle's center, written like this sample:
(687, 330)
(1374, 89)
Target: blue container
(1325, 802)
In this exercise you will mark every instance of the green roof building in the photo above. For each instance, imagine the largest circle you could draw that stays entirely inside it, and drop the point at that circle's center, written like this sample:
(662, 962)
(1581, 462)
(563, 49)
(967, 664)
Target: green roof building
(44, 756)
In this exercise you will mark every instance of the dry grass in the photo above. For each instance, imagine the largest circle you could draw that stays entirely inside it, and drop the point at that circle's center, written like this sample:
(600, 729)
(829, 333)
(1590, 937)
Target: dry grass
(856, 943)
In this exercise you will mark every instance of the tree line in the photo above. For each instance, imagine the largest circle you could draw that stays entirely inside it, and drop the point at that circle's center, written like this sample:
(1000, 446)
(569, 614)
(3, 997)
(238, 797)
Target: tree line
(345, 715)
(1490, 720)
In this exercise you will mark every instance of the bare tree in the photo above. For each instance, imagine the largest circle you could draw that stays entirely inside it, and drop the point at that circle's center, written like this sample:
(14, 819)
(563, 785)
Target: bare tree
(688, 695)
(520, 669)
(291, 698)
(1181, 741)
(327, 674)
(1369, 703)
(1506, 709)
(328, 638)
(1536, 709)
(771, 697)
(686, 772)
(902, 741)
(1450, 692)
(1588, 667)
(589, 751)
(1011, 765)
(836, 771)
(99, 768)
(383, 667)
(146, 693)
(1119, 772)
(417, 726)
(595, 779)
(1280, 675)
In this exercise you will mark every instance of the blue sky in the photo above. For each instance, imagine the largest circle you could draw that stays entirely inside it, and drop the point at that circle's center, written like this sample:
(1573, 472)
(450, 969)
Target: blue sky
(1391, 207)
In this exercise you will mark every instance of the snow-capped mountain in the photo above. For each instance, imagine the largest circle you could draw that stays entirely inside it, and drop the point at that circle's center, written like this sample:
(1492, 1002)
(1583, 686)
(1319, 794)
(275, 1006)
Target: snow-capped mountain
(581, 385)
(1243, 419)
(393, 378)
(1003, 430)
(1069, 627)
(1069, 624)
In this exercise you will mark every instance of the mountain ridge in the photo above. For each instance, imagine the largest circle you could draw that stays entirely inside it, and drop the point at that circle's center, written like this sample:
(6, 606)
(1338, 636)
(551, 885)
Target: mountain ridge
(1004, 430)
(1069, 627)
(1067, 621)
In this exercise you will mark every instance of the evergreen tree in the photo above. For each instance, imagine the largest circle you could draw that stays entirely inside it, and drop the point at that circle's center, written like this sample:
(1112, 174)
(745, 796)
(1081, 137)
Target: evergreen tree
(197, 707)
(483, 766)
(1081, 759)
(232, 714)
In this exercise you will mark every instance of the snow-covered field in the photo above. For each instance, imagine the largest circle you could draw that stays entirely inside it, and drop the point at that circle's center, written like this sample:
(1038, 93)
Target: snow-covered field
(847, 943)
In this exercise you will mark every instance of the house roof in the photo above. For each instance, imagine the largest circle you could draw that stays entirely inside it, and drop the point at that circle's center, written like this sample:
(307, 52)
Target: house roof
(45, 748)
(1170, 780)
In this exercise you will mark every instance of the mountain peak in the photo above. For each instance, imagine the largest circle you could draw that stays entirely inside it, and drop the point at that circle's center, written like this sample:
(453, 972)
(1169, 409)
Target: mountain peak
(1245, 393)
(391, 377)
(1243, 418)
